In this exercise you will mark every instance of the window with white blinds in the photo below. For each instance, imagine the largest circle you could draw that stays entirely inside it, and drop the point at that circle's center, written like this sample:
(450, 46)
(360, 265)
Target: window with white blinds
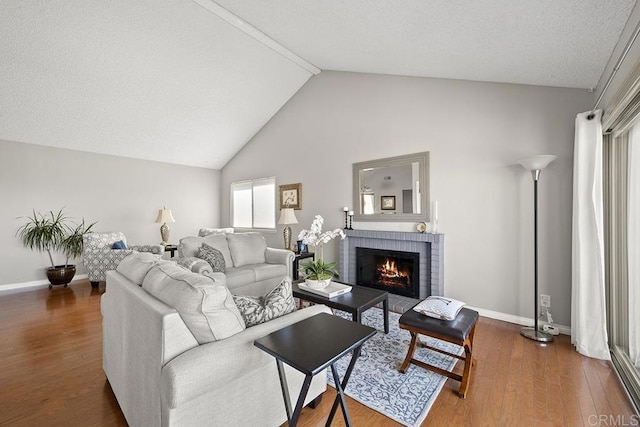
(253, 204)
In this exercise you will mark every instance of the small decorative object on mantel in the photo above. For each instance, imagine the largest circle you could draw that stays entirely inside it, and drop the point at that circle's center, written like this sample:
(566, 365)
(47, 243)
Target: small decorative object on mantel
(421, 227)
(291, 196)
(350, 220)
(346, 216)
(164, 216)
(318, 274)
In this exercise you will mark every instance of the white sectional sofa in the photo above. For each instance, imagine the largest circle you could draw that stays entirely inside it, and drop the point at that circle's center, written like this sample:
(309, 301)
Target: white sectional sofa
(252, 268)
(161, 373)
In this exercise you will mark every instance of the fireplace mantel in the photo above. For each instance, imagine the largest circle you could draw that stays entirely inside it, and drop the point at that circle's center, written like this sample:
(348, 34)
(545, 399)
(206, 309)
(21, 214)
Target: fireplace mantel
(429, 246)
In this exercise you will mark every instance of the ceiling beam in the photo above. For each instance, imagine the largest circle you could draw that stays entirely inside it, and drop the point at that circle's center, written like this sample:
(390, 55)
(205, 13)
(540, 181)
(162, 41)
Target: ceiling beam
(252, 31)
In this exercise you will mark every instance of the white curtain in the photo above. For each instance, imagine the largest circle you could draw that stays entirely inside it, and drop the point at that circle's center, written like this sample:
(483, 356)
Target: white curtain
(633, 242)
(588, 305)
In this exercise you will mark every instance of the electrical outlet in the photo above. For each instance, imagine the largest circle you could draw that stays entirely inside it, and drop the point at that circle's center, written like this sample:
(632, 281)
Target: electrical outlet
(545, 301)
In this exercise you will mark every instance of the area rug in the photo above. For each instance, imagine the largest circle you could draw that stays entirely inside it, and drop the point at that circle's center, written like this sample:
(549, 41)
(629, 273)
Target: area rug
(375, 380)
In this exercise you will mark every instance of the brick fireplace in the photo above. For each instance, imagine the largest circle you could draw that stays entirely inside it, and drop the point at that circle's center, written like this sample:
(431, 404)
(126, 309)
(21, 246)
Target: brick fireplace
(428, 247)
(397, 272)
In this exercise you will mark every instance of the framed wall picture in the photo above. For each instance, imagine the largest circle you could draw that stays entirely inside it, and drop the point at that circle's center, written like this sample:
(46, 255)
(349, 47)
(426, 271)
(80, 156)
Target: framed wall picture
(388, 203)
(301, 247)
(291, 196)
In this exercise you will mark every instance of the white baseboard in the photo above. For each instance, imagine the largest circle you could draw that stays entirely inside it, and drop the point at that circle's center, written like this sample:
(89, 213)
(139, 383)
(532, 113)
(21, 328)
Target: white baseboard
(35, 284)
(518, 320)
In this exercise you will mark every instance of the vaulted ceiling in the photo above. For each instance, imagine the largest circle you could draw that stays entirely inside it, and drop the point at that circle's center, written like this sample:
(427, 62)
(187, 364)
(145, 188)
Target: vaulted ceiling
(191, 81)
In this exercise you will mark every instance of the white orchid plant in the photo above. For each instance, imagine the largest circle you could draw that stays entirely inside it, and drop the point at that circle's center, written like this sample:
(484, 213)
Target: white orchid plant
(318, 270)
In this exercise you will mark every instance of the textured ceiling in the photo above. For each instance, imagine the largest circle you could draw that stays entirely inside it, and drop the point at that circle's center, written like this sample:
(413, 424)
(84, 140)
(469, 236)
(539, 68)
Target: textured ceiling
(162, 80)
(168, 80)
(542, 42)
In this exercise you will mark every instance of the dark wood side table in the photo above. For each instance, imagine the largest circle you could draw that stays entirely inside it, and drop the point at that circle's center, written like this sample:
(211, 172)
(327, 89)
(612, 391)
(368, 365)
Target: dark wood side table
(310, 346)
(356, 302)
(296, 262)
(172, 249)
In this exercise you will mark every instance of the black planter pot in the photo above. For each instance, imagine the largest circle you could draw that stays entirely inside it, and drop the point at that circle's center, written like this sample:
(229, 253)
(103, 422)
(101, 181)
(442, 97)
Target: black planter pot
(61, 274)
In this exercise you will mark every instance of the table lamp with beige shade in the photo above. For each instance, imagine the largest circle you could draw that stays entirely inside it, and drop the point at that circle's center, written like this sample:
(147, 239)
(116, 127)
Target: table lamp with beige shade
(164, 216)
(287, 216)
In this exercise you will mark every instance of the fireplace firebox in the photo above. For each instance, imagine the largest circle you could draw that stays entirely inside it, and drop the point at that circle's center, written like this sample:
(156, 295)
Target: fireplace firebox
(396, 272)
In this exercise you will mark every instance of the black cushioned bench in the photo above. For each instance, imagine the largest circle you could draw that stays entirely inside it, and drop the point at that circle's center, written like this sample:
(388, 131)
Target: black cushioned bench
(458, 331)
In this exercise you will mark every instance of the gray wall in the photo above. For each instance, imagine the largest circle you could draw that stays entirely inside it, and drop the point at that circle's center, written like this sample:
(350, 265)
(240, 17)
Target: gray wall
(122, 194)
(475, 133)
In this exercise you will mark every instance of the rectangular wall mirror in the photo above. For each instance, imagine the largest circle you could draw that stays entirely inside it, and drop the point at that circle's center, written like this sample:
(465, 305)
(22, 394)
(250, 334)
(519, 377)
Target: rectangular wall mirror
(392, 189)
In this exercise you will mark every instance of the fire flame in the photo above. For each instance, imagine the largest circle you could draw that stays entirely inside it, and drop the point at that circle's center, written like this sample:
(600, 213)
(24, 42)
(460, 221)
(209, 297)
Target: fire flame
(390, 275)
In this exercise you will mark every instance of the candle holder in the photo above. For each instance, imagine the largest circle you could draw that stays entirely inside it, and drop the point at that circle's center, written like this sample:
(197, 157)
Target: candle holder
(350, 220)
(434, 226)
(346, 219)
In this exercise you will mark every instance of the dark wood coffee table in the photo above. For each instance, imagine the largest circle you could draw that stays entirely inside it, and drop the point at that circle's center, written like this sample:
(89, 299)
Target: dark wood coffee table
(356, 302)
(311, 346)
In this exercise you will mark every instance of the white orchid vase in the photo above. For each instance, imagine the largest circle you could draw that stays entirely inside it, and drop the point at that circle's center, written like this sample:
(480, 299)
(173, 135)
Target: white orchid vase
(318, 270)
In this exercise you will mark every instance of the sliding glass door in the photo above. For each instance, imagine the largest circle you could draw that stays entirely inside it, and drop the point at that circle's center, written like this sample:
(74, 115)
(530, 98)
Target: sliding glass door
(622, 223)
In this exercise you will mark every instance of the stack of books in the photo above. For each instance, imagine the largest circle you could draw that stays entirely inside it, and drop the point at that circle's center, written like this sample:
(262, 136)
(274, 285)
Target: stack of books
(332, 290)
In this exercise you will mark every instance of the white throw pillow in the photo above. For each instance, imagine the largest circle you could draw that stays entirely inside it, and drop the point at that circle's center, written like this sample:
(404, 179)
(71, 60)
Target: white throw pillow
(247, 248)
(439, 307)
(206, 306)
(136, 266)
(208, 231)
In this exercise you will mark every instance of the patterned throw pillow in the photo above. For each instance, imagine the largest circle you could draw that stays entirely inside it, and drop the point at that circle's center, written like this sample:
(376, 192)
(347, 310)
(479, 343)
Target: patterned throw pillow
(213, 256)
(439, 307)
(278, 302)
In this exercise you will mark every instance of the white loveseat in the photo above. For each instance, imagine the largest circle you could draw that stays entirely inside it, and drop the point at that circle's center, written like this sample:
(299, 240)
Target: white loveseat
(162, 376)
(252, 268)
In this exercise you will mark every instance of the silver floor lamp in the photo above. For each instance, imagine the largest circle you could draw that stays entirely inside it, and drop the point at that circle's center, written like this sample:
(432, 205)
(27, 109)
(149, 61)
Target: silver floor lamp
(535, 164)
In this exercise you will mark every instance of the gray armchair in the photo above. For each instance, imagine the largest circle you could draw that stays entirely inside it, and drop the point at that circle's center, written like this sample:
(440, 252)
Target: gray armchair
(99, 256)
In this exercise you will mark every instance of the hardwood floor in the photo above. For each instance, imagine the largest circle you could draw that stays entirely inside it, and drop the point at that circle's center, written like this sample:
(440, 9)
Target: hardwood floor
(51, 374)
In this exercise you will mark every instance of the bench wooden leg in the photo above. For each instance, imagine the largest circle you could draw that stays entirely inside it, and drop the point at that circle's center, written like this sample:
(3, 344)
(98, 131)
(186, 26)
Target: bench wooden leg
(412, 348)
(466, 374)
(468, 359)
(468, 363)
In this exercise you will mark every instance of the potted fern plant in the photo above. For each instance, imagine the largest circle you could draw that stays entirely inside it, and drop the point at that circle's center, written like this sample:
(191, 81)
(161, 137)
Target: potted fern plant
(318, 274)
(53, 232)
